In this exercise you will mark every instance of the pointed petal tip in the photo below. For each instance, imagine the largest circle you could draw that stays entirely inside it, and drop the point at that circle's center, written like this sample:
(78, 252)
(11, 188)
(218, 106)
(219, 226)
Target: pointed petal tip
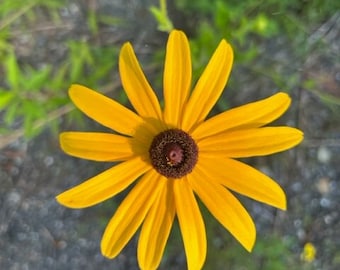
(278, 198)
(65, 200)
(126, 48)
(298, 136)
(62, 142)
(227, 46)
(209, 86)
(284, 95)
(60, 200)
(57, 198)
(250, 248)
(177, 32)
(127, 44)
(61, 138)
(282, 200)
(136, 85)
(74, 88)
(294, 137)
(250, 243)
(282, 203)
(282, 98)
(105, 250)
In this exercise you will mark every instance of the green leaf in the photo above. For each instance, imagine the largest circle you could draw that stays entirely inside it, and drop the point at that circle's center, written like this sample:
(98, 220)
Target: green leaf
(92, 21)
(38, 78)
(325, 97)
(110, 20)
(32, 112)
(80, 57)
(161, 16)
(12, 113)
(58, 81)
(5, 98)
(12, 69)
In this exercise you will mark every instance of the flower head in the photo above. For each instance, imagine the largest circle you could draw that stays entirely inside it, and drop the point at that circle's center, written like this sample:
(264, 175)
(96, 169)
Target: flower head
(309, 252)
(173, 153)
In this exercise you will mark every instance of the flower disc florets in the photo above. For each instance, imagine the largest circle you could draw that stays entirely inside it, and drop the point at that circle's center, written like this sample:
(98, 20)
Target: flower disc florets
(173, 153)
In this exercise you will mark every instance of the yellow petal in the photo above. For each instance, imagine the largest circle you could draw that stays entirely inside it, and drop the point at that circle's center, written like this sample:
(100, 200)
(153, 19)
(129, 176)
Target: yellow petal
(245, 180)
(251, 115)
(145, 133)
(191, 224)
(250, 142)
(156, 227)
(136, 86)
(224, 207)
(130, 214)
(177, 77)
(96, 146)
(209, 87)
(104, 110)
(103, 186)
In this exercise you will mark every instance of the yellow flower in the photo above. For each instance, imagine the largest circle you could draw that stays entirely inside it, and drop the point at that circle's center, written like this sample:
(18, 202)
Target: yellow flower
(309, 252)
(174, 154)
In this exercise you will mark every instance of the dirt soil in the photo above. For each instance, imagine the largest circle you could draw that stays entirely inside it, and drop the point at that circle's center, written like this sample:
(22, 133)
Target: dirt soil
(37, 233)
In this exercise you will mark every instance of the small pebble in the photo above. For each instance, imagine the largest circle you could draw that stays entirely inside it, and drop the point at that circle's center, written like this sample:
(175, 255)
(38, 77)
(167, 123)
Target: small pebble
(324, 155)
(13, 198)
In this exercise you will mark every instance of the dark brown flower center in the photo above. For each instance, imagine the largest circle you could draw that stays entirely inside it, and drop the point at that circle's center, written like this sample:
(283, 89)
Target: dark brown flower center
(173, 153)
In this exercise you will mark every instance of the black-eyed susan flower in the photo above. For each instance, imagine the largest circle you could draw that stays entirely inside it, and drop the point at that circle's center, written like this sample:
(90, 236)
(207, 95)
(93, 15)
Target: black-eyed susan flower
(174, 153)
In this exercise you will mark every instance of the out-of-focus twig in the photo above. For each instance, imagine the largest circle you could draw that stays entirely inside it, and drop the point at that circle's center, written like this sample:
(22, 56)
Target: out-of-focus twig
(20, 132)
(11, 18)
(321, 142)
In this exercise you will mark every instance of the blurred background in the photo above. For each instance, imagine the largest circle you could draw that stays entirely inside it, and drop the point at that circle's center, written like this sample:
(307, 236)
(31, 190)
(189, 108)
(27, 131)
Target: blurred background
(46, 45)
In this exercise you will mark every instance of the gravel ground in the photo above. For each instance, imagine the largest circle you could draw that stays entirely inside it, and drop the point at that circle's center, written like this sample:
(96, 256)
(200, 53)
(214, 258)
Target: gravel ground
(37, 233)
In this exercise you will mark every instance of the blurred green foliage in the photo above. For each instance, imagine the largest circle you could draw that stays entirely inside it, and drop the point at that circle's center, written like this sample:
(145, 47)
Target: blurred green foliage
(161, 15)
(250, 25)
(29, 92)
